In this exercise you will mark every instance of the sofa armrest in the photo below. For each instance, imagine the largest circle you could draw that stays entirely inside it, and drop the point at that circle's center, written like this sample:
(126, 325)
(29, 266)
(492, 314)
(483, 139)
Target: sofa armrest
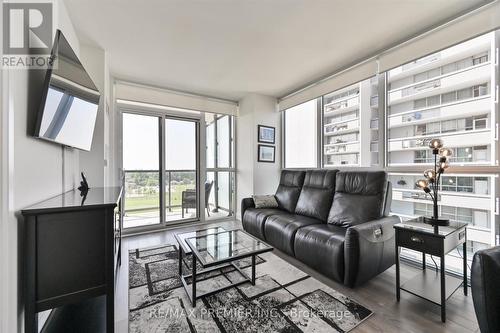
(245, 204)
(369, 249)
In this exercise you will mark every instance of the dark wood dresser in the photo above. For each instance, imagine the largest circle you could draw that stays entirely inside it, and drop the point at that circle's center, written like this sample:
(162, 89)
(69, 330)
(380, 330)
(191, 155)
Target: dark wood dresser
(72, 251)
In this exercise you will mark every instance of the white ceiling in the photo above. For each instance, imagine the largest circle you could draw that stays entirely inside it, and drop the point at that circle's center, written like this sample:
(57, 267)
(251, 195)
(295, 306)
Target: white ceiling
(229, 48)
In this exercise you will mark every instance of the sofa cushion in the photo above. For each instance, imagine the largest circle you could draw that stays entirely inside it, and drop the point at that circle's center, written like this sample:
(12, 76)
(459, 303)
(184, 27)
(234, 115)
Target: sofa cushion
(359, 197)
(280, 230)
(254, 219)
(289, 188)
(322, 248)
(316, 195)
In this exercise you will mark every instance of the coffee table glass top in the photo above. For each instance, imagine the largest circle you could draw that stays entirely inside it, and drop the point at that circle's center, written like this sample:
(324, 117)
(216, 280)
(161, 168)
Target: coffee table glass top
(228, 245)
(418, 224)
(181, 237)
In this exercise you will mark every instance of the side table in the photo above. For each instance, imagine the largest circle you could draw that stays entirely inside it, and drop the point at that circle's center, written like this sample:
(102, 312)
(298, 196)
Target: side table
(435, 287)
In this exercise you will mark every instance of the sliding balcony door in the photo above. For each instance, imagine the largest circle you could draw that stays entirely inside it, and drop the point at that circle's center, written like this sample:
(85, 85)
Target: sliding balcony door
(141, 165)
(161, 170)
(181, 169)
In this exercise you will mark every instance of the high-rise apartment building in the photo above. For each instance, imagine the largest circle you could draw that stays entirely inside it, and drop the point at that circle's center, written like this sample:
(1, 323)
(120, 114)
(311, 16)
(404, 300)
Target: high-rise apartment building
(347, 117)
(450, 95)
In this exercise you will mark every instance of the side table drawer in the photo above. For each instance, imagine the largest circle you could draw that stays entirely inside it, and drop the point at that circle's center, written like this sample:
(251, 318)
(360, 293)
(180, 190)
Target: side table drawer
(419, 242)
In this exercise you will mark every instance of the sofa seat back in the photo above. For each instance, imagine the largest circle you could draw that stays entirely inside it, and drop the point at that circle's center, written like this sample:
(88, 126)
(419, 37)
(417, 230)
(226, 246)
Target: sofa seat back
(316, 195)
(359, 197)
(289, 188)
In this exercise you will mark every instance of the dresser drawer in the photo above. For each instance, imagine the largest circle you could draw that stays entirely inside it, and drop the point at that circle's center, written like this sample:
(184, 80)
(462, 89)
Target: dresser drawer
(420, 242)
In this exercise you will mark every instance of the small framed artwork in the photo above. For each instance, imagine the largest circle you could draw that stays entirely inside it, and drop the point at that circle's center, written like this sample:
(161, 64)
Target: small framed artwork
(266, 153)
(266, 134)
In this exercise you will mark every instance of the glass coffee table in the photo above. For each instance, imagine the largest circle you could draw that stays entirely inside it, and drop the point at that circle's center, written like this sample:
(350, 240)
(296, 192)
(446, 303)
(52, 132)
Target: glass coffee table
(217, 248)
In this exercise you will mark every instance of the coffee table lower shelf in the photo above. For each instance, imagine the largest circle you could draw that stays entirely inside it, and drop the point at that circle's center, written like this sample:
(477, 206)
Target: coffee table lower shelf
(427, 285)
(191, 289)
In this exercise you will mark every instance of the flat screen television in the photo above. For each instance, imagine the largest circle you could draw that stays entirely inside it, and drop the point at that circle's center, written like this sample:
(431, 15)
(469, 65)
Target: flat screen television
(70, 100)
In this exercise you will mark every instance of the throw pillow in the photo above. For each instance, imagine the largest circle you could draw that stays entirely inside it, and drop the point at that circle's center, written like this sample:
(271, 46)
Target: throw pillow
(265, 201)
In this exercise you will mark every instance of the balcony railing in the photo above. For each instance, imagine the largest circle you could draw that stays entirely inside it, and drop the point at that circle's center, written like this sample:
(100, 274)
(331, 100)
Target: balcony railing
(420, 87)
(471, 106)
(421, 61)
(142, 189)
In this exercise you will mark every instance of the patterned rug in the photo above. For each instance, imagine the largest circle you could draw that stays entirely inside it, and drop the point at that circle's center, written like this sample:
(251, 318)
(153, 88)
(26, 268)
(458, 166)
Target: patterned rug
(284, 299)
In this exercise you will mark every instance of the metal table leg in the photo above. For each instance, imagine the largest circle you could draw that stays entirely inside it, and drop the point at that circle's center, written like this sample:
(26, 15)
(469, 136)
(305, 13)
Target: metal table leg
(443, 291)
(253, 270)
(193, 282)
(398, 291)
(465, 266)
(180, 260)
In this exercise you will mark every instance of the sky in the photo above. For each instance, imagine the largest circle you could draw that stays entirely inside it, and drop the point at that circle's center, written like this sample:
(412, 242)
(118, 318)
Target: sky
(140, 143)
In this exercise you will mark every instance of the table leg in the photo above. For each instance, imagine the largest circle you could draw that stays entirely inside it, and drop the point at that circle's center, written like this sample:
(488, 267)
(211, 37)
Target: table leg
(423, 261)
(180, 260)
(193, 282)
(443, 291)
(253, 270)
(398, 292)
(465, 266)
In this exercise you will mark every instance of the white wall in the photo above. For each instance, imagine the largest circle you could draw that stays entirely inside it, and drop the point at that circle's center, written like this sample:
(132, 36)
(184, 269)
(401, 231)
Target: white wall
(32, 171)
(254, 177)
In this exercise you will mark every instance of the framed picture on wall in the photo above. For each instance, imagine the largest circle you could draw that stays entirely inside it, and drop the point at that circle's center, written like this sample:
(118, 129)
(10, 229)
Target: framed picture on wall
(266, 153)
(266, 134)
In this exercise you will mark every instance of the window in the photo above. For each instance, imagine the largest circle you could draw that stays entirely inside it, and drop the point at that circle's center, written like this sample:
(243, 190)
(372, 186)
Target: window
(480, 90)
(447, 95)
(457, 114)
(219, 186)
(479, 59)
(301, 139)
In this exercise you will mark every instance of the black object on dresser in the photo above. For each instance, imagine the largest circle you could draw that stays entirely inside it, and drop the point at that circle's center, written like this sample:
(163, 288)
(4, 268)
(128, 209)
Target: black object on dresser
(334, 221)
(72, 251)
(436, 241)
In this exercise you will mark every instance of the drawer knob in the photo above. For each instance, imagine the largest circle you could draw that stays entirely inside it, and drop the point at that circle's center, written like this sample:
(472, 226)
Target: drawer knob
(416, 239)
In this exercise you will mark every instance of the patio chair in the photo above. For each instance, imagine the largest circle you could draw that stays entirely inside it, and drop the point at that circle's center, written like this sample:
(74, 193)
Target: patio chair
(189, 198)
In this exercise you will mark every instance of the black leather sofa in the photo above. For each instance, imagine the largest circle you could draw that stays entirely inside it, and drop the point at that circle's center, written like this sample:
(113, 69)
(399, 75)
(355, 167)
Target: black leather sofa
(334, 221)
(485, 271)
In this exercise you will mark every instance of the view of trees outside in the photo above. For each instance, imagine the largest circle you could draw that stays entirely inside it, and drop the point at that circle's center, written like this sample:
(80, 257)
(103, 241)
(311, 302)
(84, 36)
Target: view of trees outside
(143, 195)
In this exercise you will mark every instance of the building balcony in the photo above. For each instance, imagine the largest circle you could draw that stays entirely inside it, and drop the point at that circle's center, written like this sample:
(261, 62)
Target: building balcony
(345, 148)
(341, 127)
(335, 107)
(454, 81)
(449, 55)
(404, 201)
(453, 199)
(460, 109)
(452, 140)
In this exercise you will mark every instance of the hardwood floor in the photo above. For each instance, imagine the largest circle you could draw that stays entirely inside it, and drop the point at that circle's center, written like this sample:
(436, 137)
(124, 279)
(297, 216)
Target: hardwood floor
(411, 314)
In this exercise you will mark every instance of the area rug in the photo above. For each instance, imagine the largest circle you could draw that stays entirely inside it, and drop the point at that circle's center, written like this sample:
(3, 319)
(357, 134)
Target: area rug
(284, 299)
